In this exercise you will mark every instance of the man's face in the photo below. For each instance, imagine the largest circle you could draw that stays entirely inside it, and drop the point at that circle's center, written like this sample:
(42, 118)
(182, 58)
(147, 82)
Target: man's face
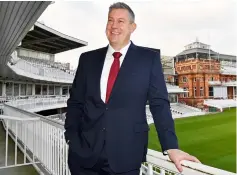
(119, 27)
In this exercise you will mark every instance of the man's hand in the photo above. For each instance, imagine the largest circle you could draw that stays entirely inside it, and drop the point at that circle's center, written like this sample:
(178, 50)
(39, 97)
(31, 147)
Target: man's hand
(177, 156)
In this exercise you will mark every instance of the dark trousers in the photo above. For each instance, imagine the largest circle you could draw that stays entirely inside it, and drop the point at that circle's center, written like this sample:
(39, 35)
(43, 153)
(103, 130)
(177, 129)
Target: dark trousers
(101, 168)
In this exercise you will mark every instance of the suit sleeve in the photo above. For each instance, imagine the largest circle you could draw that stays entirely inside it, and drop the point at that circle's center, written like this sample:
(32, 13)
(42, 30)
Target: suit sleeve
(160, 107)
(75, 103)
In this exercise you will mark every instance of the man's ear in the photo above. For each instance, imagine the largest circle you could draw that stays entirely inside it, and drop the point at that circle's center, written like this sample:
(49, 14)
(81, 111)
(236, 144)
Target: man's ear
(133, 27)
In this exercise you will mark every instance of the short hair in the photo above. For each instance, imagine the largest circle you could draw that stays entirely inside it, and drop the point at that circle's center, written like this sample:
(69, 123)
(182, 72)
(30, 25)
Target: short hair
(122, 5)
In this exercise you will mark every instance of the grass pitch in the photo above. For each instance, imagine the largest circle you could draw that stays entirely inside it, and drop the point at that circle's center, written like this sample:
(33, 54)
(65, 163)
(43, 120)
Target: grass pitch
(211, 138)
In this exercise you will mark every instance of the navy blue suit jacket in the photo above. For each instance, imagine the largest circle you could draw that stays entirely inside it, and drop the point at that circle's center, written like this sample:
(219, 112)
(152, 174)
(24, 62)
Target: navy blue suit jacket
(121, 123)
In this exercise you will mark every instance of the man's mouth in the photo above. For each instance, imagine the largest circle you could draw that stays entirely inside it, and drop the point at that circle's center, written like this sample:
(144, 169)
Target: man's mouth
(115, 33)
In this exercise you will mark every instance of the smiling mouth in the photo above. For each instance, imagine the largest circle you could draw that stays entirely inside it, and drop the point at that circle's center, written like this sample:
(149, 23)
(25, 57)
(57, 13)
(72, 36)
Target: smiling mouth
(115, 33)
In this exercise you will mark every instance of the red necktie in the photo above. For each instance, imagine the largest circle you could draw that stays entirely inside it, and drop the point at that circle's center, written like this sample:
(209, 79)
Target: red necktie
(113, 74)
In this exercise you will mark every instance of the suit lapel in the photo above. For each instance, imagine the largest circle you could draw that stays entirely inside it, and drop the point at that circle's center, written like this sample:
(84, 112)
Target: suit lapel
(125, 68)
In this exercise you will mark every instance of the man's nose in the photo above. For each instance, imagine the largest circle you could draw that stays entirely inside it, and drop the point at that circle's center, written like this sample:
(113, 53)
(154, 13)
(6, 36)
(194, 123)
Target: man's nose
(115, 24)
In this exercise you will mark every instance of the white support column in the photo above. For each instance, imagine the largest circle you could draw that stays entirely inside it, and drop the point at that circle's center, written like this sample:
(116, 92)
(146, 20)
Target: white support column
(61, 90)
(47, 89)
(41, 91)
(33, 89)
(19, 90)
(12, 88)
(3, 89)
(26, 89)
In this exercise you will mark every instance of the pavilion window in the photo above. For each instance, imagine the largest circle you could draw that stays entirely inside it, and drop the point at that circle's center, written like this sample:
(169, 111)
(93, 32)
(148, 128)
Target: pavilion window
(201, 92)
(211, 94)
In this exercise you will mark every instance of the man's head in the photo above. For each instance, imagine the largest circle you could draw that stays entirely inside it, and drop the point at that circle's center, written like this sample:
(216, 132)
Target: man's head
(120, 25)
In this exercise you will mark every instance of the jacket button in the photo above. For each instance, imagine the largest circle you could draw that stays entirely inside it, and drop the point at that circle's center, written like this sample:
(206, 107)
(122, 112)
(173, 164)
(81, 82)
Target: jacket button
(103, 129)
(106, 109)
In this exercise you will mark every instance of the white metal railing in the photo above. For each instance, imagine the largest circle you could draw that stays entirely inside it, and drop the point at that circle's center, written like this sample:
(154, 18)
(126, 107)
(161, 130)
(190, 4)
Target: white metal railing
(214, 82)
(44, 139)
(230, 83)
(45, 63)
(179, 110)
(41, 70)
(9, 98)
(190, 107)
(173, 88)
(223, 83)
(228, 70)
(228, 64)
(60, 117)
(51, 149)
(33, 103)
(18, 129)
(175, 113)
(184, 109)
(158, 164)
(220, 104)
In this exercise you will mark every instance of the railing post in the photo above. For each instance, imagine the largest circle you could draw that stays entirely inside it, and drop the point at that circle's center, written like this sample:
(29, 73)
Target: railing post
(140, 171)
(149, 169)
(34, 139)
(63, 154)
(6, 143)
(162, 171)
(25, 132)
(16, 142)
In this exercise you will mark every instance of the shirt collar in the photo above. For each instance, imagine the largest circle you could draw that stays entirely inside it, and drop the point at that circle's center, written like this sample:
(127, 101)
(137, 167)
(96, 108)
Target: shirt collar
(123, 51)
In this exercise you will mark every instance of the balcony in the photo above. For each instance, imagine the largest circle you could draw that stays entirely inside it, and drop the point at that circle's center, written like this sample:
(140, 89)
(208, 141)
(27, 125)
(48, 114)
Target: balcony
(42, 142)
(174, 89)
(228, 83)
(41, 72)
(214, 82)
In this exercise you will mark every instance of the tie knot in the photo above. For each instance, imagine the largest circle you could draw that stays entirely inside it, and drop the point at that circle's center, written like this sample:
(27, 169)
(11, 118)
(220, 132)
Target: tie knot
(117, 55)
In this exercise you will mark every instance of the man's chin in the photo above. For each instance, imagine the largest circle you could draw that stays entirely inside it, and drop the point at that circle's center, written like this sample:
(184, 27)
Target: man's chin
(113, 42)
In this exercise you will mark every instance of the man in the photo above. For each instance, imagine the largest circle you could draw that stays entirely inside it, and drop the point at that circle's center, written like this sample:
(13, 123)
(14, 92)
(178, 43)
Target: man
(106, 127)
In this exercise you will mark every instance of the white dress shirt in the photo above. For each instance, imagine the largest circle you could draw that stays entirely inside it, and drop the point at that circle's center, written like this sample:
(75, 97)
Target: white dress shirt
(107, 65)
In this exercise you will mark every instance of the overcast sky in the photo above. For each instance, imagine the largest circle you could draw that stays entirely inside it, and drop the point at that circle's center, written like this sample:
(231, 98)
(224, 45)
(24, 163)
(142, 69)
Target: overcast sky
(165, 24)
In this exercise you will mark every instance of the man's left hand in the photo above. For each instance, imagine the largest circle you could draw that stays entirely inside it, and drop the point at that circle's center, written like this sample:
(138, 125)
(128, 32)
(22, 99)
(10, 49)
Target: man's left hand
(177, 156)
